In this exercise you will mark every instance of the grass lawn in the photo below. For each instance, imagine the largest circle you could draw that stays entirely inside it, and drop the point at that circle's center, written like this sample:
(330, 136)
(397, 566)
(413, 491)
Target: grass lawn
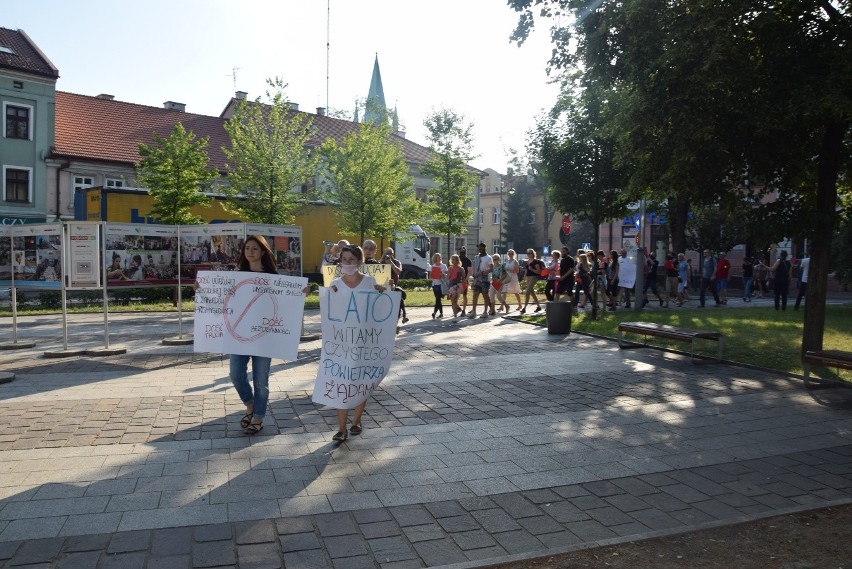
(757, 336)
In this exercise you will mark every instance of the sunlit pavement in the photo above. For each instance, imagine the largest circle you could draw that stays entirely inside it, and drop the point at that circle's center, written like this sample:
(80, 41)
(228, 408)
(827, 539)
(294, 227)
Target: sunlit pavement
(490, 441)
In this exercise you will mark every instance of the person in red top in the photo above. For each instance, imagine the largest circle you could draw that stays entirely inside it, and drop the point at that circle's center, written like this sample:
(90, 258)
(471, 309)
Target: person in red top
(723, 272)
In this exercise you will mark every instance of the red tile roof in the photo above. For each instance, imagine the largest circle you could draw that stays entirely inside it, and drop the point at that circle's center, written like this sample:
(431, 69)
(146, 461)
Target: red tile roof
(25, 56)
(110, 131)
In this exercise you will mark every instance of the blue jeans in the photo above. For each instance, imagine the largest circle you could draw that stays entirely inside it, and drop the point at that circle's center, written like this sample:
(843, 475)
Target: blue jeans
(747, 282)
(260, 378)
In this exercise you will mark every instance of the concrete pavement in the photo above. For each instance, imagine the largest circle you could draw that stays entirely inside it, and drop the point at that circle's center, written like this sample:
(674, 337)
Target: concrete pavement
(489, 441)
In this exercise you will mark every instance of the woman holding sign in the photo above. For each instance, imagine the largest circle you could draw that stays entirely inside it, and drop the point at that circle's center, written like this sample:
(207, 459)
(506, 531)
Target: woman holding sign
(351, 258)
(256, 256)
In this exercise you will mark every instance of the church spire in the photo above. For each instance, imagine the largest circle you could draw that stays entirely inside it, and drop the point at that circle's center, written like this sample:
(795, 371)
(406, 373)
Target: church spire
(375, 108)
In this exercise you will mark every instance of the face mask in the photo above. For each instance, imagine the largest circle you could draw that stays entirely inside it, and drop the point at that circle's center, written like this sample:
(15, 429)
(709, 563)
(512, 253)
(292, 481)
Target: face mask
(349, 269)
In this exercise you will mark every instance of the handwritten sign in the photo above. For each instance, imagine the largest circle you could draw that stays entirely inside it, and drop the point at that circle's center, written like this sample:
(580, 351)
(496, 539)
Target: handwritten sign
(382, 273)
(358, 335)
(252, 314)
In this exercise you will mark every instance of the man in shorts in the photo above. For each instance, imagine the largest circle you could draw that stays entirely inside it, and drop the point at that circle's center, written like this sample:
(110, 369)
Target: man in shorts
(482, 266)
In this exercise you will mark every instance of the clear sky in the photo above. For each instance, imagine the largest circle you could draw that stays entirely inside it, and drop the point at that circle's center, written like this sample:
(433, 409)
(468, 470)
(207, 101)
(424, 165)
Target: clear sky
(437, 53)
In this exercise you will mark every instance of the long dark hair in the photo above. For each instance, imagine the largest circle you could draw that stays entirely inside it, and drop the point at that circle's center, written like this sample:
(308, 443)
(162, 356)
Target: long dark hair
(266, 257)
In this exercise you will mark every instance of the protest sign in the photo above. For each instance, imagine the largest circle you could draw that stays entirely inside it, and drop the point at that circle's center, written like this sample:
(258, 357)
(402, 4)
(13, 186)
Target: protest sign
(358, 335)
(627, 271)
(382, 273)
(247, 313)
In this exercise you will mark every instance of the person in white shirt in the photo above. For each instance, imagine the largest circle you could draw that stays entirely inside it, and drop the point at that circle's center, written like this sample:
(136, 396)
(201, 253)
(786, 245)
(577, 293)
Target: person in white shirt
(803, 281)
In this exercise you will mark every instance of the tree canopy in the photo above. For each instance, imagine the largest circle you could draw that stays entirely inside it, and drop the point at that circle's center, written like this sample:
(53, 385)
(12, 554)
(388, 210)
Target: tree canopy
(451, 141)
(175, 172)
(269, 157)
(367, 180)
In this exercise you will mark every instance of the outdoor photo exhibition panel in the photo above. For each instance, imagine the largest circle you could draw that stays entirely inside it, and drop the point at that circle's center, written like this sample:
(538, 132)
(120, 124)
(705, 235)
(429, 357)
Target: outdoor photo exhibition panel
(140, 254)
(286, 243)
(37, 256)
(214, 247)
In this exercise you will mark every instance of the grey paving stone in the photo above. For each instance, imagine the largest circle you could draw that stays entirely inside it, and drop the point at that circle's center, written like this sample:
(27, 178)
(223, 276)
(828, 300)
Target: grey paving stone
(476, 503)
(294, 525)
(379, 529)
(656, 519)
(93, 542)
(134, 560)
(213, 532)
(685, 493)
(445, 509)
(345, 546)
(518, 541)
(387, 549)
(560, 539)
(171, 542)
(36, 551)
(129, 541)
(313, 559)
(424, 532)
(299, 542)
(439, 552)
(260, 531)
(516, 505)
(609, 516)
(464, 522)
(411, 515)
(8, 549)
(358, 562)
(213, 553)
(171, 562)
(259, 556)
(538, 525)
(636, 486)
(603, 488)
(330, 525)
(589, 530)
(495, 520)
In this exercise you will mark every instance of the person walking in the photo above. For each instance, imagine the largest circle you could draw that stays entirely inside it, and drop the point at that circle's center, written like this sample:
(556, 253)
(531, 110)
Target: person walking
(566, 274)
(682, 279)
(748, 278)
(782, 272)
(651, 266)
(467, 265)
(351, 259)
(723, 273)
(708, 275)
(512, 284)
(670, 267)
(482, 265)
(804, 266)
(583, 280)
(552, 276)
(612, 280)
(534, 269)
(437, 272)
(457, 277)
(498, 281)
(761, 275)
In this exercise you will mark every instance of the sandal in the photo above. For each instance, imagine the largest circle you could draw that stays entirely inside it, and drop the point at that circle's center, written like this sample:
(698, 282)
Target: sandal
(339, 436)
(355, 430)
(246, 420)
(253, 428)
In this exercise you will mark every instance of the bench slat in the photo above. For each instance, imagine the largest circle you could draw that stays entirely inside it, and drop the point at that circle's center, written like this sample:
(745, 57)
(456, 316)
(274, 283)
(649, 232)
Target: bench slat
(671, 333)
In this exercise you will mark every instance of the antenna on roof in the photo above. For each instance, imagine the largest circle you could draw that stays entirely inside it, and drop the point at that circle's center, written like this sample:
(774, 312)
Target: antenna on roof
(234, 76)
(327, 48)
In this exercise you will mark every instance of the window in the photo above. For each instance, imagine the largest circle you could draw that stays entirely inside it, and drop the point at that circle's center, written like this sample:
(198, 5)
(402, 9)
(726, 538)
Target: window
(495, 215)
(481, 216)
(532, 216)
(17, 184)
(115, 183)
(18, 121)
(495, 245)
(81, 182)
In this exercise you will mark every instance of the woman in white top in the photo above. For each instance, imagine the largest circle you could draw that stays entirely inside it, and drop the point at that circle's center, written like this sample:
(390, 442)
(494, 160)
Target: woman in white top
(351, 258)
(513, 269)
(437, 271)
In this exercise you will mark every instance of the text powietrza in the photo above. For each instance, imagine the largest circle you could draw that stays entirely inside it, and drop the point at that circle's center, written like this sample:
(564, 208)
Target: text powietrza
(358, 335)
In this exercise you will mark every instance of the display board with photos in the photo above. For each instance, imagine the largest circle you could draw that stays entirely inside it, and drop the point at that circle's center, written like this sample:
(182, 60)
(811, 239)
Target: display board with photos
(139, 254)
(286, 243)
(5, 255)
(213, 247)
(37, 255)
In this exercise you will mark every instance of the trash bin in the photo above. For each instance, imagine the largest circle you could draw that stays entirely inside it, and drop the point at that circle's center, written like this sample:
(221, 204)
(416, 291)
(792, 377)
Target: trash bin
(558, 317)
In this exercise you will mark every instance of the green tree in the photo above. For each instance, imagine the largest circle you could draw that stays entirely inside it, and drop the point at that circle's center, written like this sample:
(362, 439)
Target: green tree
(270, 156)
(576, 155)
(719, 93)
(368, 182)
(451, 142)
(175, 172)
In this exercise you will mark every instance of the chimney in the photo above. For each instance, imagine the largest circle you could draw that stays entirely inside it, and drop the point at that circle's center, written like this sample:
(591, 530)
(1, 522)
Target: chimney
(106, 97)
(293, 106)
(321, 111)
(173, 106)
(240, 95)
(400, 133)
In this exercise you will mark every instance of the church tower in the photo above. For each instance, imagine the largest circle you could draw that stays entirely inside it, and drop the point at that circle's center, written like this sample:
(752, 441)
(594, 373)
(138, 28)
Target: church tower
(375, 109)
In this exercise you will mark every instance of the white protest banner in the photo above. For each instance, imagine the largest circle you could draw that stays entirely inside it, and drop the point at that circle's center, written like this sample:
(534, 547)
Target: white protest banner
(358, 335)
(252, 314)
(382, 273)
(627, 271)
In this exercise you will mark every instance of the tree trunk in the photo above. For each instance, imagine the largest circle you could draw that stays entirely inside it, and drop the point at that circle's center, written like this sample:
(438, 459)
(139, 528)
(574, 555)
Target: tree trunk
(677, 224)
(828, 167)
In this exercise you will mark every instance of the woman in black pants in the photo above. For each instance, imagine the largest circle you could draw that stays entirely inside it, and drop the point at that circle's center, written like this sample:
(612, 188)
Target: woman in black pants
(781, 273)
(437, 272)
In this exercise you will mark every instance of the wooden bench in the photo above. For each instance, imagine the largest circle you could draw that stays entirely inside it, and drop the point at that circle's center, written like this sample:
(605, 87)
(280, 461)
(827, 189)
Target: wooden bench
(826, 358)
(669, 332)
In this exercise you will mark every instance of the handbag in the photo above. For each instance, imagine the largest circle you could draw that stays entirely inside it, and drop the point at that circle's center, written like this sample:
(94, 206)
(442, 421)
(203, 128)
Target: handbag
(445, 286)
